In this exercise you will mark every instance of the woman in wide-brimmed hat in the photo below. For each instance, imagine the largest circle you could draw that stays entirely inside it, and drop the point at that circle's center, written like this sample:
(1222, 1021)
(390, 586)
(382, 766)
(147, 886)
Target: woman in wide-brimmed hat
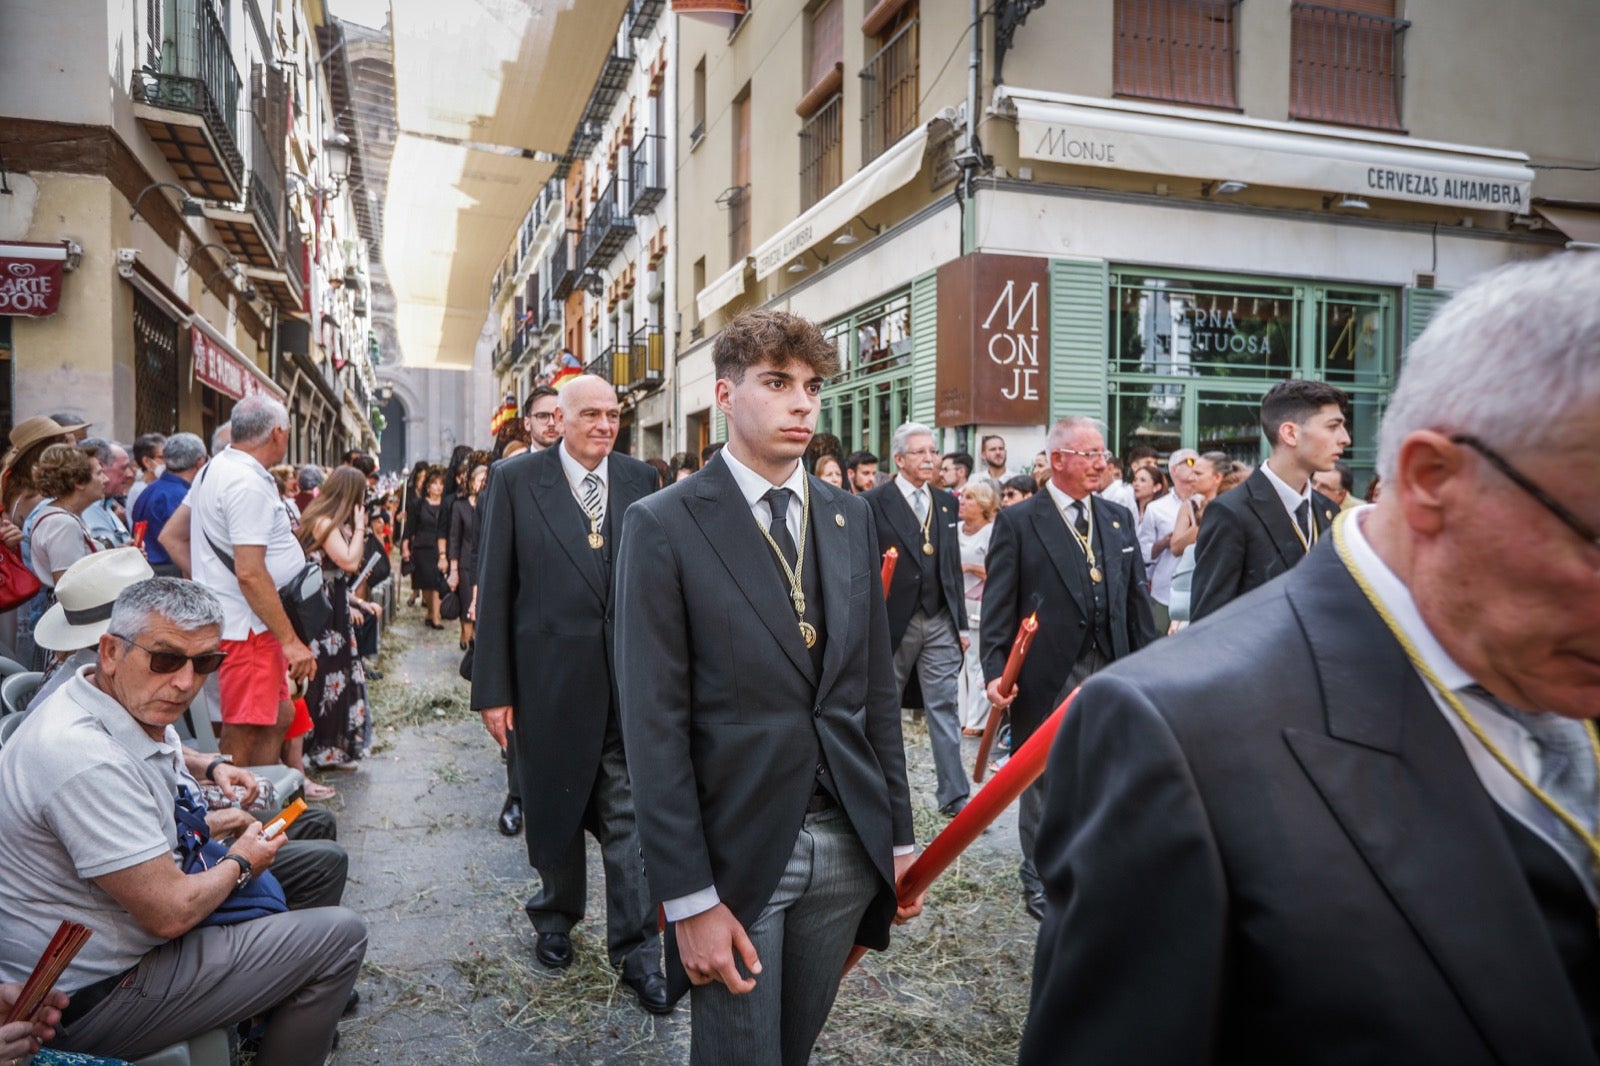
(71, 629)
(18, 494)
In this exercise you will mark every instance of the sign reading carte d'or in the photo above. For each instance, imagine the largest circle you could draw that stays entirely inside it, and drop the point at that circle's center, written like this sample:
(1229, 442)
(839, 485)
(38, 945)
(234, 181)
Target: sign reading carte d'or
(994, 341)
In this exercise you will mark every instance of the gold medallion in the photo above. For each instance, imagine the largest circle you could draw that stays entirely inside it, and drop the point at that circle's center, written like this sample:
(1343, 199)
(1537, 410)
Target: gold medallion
(927, 549)
(809, 632)
(1095, 575)
(596, 541)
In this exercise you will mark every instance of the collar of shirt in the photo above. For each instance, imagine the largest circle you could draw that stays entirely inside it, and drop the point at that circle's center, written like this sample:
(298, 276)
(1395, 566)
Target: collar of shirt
(230, 454)
(754, 488)
(1289, 498)
(909, 492)
(118, 723)
(576, 473)
(1063, 501)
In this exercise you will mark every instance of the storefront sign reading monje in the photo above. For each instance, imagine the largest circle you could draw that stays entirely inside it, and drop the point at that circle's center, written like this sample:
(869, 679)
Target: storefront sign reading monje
(993, 361)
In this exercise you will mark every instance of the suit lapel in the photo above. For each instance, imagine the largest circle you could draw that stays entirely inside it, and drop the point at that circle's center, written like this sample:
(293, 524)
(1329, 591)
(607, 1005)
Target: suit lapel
(566, 521)
(833, 572)
(903, 518)
(1109, 549)
(1393, 773)
(719, 509)
(1269, 510)
(1323, 512)
(1058, 544)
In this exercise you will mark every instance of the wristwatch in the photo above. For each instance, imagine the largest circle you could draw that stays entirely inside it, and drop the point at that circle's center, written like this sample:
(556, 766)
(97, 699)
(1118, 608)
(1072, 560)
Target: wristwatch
(246, 871)
(211, 770)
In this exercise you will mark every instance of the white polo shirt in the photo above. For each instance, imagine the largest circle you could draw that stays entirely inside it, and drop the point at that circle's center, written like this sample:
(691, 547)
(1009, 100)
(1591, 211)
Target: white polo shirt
(235, 501)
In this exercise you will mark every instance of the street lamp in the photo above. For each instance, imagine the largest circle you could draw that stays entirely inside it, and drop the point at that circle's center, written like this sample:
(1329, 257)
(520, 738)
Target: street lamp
(340, 157)
(191, 208)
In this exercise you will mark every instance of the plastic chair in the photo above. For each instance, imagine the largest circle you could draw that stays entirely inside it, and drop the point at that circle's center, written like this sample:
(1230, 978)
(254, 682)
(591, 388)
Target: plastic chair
(18, 690)
(207, 1049)
(195, 728)
(9, 724)
(11, 666)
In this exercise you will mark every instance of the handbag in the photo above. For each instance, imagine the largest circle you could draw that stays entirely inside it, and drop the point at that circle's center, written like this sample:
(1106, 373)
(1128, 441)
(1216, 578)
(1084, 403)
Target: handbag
(450, 606)
(18, 584)
(261, 897)
(466, 660)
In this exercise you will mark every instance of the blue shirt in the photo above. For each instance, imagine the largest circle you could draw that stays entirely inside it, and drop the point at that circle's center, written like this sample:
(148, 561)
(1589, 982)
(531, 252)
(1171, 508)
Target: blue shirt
(153, 507)
(104, 525)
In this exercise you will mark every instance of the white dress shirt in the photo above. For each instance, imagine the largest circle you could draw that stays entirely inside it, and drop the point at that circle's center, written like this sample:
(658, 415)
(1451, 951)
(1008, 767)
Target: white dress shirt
(1160, 516)
(1508, 735)
(1064, 504)
(1119, 491)
(576, 473)
(1290, 499)
(910, 493)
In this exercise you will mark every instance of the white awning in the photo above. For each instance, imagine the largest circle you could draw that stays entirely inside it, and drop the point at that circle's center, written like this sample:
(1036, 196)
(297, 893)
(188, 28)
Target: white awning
(1153, 139)
(1582, 227)
(894, 168)
(723, 291)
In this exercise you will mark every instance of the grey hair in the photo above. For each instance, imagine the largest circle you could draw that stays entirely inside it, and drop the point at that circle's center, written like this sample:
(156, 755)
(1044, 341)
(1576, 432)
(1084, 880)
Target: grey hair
(903, 435)
(101, 448)
(309, 477)
(1065, 427)
(183, 603)
(1535, 325)
(1179, 455)
(216, 437)
(185, 451)
(255, 417)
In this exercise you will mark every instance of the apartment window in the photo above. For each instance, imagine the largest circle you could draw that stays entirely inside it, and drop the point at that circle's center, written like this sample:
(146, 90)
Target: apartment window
(699, 276)
(739, 194)
(827, 40)
(889, 84)
(1346, 63)
(698, 131)
(1180, 51)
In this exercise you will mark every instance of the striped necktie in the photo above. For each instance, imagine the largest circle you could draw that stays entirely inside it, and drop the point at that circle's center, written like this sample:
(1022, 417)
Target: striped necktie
(591, 495)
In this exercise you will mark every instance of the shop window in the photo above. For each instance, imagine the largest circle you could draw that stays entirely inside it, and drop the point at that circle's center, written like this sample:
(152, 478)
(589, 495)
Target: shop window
(1177, 327)
(155, 367)
(1346, 63)
(1180, 51)
(1353, 339)
(872, 393)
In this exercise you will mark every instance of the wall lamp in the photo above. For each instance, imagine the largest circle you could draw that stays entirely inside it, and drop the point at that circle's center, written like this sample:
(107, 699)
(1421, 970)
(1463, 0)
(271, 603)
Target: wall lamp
(799, 265)
(227, 253)
(1223, 188)
(848, 237)
(1346, 200)
(190, 207)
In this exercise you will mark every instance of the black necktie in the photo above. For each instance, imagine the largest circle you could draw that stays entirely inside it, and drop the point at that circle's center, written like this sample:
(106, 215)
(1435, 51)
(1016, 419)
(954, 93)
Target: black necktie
(1080, 520)
(778, 501)
(1301, 514)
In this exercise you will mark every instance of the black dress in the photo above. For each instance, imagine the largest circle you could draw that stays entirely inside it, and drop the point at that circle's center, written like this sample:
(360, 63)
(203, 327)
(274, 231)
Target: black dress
(463, 548)
(429, 528)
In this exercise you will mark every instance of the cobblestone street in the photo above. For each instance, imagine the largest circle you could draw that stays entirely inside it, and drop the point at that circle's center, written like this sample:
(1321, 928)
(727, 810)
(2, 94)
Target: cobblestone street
(450, 975)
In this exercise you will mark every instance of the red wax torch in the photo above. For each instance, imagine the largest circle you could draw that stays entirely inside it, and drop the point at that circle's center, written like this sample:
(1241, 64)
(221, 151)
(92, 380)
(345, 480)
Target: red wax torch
(1020, 771)
(890, 557)
(1008, 685)
(138, 534)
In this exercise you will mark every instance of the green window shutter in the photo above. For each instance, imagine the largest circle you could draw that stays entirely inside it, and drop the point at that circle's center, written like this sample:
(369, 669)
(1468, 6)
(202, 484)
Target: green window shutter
(1080, 295)
(719, 425)
(1421, 306)
(924, 345)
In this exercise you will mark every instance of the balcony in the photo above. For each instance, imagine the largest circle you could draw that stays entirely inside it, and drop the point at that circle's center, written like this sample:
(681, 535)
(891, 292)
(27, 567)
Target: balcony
(564, 265)
(642, 365)
(608, 227)
(649, 183)
(889, 93)
(252, 230)
(190, 105)
(738, 202)
(285, 287)
(643, 16)
(1176, 51)
(822, 152)
(603, 364)
(1345, 67)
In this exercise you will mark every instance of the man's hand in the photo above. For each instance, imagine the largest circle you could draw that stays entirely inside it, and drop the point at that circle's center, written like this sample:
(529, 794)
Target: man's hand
(902, 863)
(706, 945)
(228, 822)
(497, 720)
(21, 1039)
(302, 662)
(257, 850)
(992, 692)
(229, 778)
(452, 580)
(966, 642)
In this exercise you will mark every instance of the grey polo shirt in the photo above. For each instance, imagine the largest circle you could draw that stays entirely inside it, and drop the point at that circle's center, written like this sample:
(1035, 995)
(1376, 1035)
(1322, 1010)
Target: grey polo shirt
(84, 792)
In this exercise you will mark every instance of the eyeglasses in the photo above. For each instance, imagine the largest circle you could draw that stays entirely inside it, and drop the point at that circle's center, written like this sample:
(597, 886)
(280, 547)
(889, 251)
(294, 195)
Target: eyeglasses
(170, 662)
(1189, 461)
(1526, 484)
(543, 416)
(1103, 456)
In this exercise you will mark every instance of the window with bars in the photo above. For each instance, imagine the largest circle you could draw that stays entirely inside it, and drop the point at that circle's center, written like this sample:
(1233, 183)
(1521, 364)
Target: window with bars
(889, 85)
(155, 366)
(1181, 51)
(1346, 63)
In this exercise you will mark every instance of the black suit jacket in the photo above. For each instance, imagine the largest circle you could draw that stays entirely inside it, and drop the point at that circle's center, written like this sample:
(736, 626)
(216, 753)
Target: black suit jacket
(722, 713)
(1246, 540)
(1033, 566)
(1284, 858)
(544, 631)
(897, 525)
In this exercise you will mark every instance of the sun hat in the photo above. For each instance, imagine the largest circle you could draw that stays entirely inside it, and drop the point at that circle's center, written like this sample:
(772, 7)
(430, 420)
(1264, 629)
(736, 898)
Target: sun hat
(84, 596)
(31, 431)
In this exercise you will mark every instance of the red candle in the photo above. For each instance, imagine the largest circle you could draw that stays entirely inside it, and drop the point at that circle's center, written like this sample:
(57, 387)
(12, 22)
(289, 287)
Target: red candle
(138, 534)
(890, 557)
(1022, 770)
(1008, 683)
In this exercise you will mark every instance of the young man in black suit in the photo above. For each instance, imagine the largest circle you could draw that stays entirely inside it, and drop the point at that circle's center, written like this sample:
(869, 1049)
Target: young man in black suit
(1354, 820)
(1072, 556)
(542, 675)
(1272, 521)
(927, 607)
(761, 715)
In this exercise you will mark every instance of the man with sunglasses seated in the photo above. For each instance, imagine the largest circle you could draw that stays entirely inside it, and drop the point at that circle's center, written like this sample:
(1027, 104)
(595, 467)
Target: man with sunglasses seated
(87, 833)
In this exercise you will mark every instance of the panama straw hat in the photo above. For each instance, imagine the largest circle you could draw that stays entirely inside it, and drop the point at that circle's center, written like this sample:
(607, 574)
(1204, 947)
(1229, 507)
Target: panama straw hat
(31, 431)
(84, 596)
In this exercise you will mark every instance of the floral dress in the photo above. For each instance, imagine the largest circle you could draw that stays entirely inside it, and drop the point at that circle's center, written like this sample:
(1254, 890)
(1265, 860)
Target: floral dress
(341, 731)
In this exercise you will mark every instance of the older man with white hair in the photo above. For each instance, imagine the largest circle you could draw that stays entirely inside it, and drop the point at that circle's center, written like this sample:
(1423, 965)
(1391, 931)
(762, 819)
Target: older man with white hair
(92, 787)
(1351, 816)
(1155, 534)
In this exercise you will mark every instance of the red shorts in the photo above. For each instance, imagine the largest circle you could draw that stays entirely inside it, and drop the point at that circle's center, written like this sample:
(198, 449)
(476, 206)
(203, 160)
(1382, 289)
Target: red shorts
(302, 721)
(254, 679)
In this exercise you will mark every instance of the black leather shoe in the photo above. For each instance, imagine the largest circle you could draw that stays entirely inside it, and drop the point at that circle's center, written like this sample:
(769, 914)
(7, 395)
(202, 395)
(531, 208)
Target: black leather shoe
(1035, 905)
(553, 950)
(651, 988)
(511, 818)
(351, 1004)
(954, 807)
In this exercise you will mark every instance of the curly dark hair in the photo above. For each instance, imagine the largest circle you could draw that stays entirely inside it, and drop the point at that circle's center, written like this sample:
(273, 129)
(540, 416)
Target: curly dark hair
(775, 336)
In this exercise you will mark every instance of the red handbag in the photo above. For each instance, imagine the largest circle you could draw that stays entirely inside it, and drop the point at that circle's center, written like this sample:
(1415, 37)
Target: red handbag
(18, 584)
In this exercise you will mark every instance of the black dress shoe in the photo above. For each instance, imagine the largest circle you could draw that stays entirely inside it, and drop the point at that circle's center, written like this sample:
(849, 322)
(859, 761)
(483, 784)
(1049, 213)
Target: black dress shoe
(511, 818)
(351, 1004)
(553, 950)
(1035, 905)
(954, 807)
(651, 988)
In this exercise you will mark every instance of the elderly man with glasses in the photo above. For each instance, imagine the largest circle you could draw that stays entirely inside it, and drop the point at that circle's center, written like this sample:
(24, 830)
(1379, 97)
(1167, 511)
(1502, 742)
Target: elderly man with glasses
(1352, 817)
(91, 787)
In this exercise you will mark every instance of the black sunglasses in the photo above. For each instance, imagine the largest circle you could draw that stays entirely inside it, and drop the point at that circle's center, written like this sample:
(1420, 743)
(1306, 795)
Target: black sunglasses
(170, 662)
(1526, 484)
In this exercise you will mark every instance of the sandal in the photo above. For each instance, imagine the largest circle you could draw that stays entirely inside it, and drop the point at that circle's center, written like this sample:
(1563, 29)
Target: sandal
(315, 791)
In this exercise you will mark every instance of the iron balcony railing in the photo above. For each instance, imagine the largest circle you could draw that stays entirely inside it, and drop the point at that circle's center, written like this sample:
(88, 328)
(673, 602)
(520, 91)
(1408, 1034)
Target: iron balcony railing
(197, 76)
(822, 152)
(1176, 50)
(564, 264)
(294, 259)
(643, 15)
(649, 183)
(608, 227)
(647, 360)
(889, 93)
(602, 365)
(1346, 67)
(738, 200)
(266, 185)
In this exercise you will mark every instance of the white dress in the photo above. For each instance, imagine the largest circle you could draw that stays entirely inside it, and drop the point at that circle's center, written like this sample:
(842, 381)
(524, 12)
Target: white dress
(973, 703)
